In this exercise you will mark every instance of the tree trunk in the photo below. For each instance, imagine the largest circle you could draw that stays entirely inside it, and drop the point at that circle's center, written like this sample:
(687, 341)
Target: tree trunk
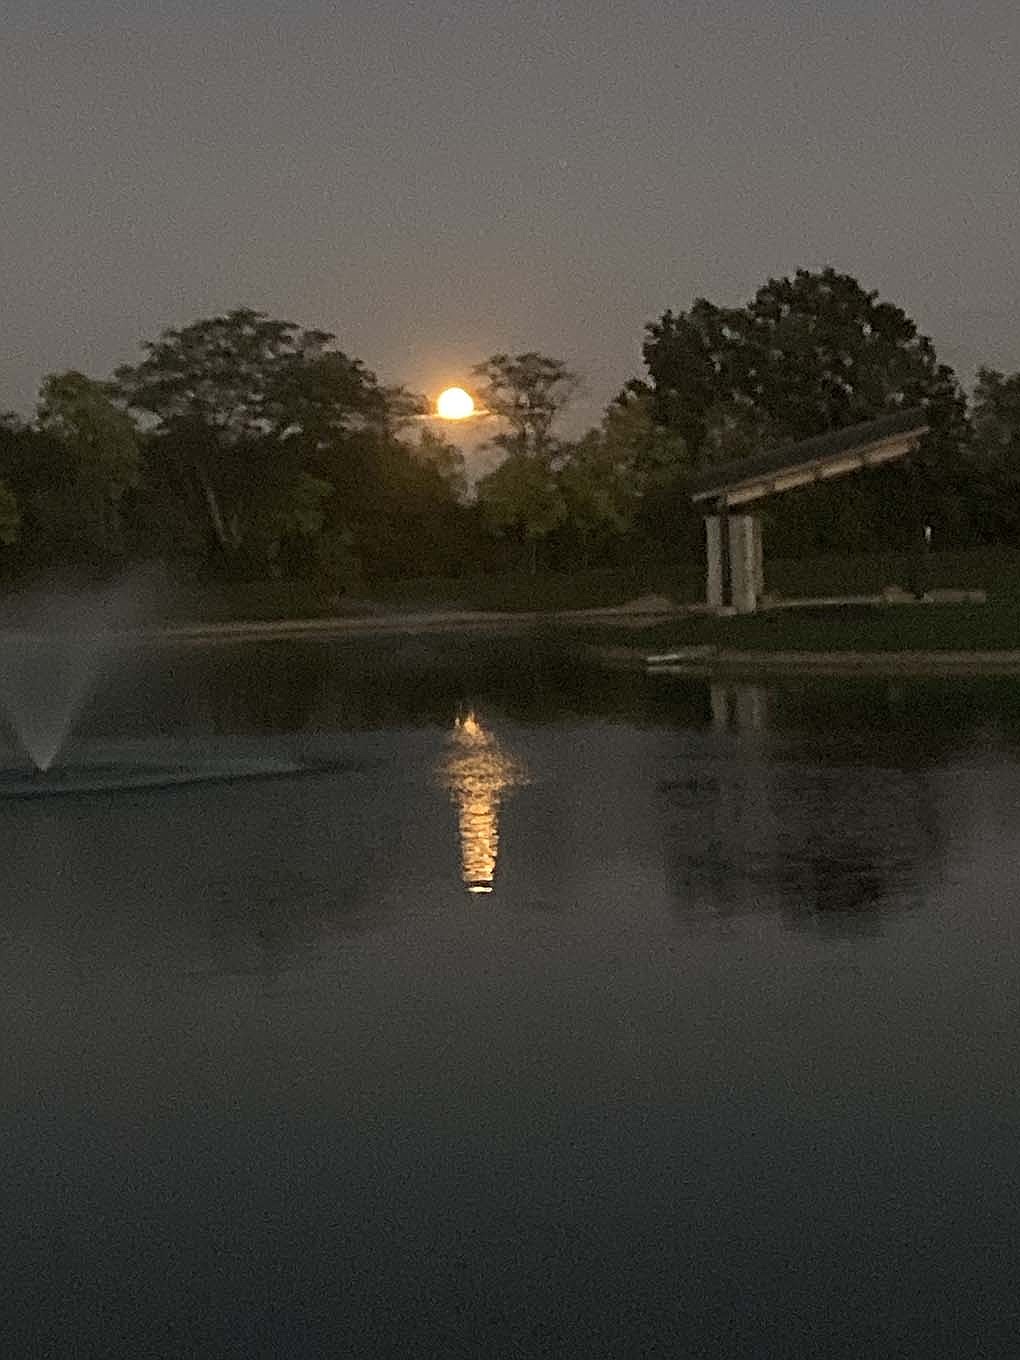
(227, 541)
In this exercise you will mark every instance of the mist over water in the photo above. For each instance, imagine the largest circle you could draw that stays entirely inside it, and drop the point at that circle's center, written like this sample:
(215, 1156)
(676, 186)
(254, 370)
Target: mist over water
(54, 647)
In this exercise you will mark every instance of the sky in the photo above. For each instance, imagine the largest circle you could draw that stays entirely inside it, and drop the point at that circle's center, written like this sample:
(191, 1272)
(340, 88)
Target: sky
(437, 180)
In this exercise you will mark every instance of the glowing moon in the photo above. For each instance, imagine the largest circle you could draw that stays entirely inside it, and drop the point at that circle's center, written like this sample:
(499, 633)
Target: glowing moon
(455, 404)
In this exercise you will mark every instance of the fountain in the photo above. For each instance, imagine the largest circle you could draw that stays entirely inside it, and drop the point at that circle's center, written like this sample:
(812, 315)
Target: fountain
(54, 648)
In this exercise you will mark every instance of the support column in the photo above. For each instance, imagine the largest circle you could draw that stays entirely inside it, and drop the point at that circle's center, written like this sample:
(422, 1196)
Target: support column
(745, 561)
(714, 558)
(759, 559)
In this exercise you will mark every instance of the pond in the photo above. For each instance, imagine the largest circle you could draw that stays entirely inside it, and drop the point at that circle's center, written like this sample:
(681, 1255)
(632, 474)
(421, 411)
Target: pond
(554, 1011)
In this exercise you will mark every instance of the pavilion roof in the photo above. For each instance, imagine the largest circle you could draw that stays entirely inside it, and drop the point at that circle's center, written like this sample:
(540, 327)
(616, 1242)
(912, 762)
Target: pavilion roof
(832, 454)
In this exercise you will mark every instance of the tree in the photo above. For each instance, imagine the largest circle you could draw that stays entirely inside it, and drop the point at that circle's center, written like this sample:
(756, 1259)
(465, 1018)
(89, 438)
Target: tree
(805, 355)
(251, 415)
(101, 461)
(73, 474)
(435, 452)
(688, 356)
(656, 463)
(598, 493)
(521, 497)
(651, 453)
(10, 516)
(527, 392)
(616, 473)
(995, 419)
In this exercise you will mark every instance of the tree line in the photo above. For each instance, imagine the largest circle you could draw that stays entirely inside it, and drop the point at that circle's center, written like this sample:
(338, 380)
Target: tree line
(247, 448)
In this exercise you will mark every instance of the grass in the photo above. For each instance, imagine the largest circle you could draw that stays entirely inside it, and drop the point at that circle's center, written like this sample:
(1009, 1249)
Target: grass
(511, 592)
(996, 570)
(515, 592)
(902, 627)
(990, 627)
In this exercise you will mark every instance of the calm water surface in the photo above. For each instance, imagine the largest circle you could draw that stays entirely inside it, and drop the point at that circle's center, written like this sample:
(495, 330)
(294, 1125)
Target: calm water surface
(567, 1013)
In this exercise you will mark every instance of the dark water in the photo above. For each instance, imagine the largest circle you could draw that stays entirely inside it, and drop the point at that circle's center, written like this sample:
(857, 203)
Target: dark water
(724, 1064)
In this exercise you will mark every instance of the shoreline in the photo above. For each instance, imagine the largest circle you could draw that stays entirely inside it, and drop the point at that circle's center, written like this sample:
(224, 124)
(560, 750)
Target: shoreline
(426, 621)
(694, 661)
(751, 664)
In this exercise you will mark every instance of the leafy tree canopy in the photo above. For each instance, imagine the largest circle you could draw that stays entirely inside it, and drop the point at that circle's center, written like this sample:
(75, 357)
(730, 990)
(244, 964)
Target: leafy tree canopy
(251, 414)
(101, 439)
(995, 418)
(521, 497)
(806, 354)
(527, 392)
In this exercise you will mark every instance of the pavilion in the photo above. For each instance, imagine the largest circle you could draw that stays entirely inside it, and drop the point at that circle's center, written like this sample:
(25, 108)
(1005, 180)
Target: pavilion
(736, 576)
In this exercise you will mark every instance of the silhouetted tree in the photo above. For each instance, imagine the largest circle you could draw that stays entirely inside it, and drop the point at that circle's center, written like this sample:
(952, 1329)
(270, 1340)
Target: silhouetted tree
(70, 476)
(805, 355)
(10, 516)
(995, 417)
(521, 498)
(527, 392)
(245, 407)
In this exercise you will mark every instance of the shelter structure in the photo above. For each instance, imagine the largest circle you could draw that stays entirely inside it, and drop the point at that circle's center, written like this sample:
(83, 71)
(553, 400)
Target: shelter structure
(736, 569)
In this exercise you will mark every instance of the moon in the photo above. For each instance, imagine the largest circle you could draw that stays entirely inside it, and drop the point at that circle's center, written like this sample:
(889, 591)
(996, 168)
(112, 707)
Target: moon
(455, 404)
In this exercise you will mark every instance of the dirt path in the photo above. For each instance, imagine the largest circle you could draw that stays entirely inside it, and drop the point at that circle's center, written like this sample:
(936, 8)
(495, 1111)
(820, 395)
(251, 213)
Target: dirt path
(636, 614)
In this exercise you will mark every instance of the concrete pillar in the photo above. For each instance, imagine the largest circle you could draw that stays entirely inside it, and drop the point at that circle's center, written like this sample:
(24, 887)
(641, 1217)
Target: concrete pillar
(745, 561)
(714, 586)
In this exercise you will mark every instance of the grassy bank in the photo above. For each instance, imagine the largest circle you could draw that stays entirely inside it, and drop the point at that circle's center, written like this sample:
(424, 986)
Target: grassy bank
(990, 627)
(996, 570)
(511, 592)
(547, 591)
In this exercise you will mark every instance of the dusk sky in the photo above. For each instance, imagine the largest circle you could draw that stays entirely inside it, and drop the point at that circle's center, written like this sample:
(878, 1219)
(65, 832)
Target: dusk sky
(434, 181)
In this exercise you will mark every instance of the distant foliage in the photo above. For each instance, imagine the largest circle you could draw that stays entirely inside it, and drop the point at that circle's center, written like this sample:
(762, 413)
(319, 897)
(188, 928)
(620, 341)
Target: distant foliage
(246, 448)
(10, 516)
(286, 451)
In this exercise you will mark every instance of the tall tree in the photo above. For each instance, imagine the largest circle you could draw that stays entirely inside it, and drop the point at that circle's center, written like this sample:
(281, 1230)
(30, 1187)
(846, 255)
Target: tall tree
(527, 392)
(521, 498)
(101, 459)
(805, 355)
(995, 418)
(618, 479)
(72, 474)
(10, 516)
(249, 416)
(689, 356)
(443, 458)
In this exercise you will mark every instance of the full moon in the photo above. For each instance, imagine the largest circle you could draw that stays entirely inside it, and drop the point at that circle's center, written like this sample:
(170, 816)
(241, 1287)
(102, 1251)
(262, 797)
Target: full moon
(455, 404)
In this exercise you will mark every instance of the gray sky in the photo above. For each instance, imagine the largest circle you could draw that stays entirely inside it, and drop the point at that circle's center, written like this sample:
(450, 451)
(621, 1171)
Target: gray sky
(434, 180)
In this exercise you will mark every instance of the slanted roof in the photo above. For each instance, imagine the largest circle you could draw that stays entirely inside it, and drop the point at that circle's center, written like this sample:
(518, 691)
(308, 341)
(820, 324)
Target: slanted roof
(833, 454)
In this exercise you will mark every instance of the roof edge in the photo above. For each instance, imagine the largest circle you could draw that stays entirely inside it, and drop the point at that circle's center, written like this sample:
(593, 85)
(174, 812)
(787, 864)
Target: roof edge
(799, 453)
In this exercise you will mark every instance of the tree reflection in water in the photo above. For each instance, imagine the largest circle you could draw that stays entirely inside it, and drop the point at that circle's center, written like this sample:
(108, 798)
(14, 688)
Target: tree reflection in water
(478, 771)
(832, 838)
